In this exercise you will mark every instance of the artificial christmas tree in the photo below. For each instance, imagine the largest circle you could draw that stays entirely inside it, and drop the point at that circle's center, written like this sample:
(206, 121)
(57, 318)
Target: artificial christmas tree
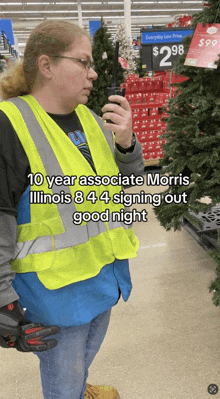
(193, 141)
(103, 54)
(139, 68)
(125, 48)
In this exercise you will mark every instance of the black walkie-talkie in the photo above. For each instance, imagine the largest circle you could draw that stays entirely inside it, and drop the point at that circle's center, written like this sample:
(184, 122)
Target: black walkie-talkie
(114, 89)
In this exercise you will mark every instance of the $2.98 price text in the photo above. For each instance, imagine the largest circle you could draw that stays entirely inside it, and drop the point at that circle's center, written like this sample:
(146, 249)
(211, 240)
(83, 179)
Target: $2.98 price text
(164, 55)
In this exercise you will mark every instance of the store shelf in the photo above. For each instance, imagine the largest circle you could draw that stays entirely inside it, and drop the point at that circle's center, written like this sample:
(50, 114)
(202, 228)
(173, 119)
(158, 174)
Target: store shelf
(207, 239)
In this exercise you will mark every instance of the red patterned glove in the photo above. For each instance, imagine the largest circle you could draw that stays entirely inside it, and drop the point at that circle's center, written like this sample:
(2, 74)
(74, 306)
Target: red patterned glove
(19, 333)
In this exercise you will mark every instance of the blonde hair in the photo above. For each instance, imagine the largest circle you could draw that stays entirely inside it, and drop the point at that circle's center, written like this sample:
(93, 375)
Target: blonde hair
(49, 38)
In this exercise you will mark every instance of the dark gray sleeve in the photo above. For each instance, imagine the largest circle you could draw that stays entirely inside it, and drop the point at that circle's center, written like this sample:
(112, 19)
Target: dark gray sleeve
(130, 162)
(8, 239)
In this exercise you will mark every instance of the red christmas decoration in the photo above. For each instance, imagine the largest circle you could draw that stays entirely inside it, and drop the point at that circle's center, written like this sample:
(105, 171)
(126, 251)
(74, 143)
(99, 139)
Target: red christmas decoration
(123, 62)
(206, 4)
(181, 21)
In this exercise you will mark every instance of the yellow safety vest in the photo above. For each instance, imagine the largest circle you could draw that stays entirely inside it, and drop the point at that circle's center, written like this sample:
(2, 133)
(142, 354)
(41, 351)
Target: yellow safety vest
(59, 251)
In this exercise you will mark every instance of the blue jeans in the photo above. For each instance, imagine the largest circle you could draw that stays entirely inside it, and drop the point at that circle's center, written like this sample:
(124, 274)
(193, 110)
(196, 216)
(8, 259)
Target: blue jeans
(64, 369)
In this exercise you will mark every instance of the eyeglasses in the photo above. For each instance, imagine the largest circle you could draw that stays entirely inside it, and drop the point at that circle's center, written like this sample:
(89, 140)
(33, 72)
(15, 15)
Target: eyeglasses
(86, 63)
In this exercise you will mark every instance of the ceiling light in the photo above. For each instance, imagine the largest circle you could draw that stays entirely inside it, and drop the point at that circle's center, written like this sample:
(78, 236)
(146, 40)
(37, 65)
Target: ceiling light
(152, 16)
(75, 18)
(23, 18)
(38, 12)
(167, 2)
(167, 9)
(136, 16)
(41, 3)
(88, 11)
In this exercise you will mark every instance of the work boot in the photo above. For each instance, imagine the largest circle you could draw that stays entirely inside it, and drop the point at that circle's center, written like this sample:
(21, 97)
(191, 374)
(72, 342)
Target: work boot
(100, 392)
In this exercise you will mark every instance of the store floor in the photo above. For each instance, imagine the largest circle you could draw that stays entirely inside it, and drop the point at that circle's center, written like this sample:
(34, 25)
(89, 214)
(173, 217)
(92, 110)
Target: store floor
(164, 342)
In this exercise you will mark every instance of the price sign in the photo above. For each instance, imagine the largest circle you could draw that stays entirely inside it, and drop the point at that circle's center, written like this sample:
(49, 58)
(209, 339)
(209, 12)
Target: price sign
(161, 47)
(165, 54)
(204, 47)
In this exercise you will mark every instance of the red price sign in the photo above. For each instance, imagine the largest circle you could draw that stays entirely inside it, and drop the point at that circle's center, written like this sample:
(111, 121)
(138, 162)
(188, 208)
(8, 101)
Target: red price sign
(204, 47)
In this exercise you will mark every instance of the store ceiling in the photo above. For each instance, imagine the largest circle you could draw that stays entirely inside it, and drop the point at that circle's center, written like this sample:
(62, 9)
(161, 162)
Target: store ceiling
(26, 15)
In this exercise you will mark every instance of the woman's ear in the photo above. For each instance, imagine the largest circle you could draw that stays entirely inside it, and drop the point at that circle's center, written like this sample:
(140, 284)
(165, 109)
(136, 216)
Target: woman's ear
(43, 64)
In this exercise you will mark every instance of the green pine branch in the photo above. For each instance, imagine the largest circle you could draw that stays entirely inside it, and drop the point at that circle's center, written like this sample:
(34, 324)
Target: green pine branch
(193, 142)
(104, 68)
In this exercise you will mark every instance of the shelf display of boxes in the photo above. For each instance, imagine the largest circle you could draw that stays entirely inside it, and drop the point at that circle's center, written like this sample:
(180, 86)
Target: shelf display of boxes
(147, 98)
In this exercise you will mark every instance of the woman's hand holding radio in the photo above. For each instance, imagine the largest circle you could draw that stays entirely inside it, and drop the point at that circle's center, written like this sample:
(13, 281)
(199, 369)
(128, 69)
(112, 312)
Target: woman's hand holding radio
(120, 114)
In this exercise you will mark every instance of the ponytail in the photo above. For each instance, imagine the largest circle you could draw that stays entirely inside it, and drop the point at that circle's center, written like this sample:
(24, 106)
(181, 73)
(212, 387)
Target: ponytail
(12, 82)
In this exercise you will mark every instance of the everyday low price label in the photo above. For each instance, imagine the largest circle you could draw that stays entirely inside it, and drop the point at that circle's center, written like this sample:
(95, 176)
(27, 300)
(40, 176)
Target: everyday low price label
(204, 48)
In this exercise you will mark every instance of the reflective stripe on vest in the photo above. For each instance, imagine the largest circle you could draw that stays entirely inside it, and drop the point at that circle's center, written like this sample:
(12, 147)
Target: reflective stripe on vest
(41, 243)
(65, 239)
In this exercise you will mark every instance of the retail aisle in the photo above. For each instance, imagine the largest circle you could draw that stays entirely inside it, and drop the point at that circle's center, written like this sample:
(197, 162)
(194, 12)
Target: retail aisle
(164, 342)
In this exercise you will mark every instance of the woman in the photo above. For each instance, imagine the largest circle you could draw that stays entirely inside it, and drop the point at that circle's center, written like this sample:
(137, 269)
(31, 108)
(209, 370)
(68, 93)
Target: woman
(67, 274)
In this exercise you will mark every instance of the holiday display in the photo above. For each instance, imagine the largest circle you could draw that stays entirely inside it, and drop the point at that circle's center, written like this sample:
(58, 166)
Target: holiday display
(192, 145)
(123, 62)
(103, 55)
(126, 50)
(148, 99)
(181, 20)
(206, 4)
(114, 89)
(139, 70)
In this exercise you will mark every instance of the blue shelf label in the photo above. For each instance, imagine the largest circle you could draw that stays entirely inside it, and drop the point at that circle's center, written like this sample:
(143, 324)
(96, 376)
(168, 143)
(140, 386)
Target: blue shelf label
(162, 36)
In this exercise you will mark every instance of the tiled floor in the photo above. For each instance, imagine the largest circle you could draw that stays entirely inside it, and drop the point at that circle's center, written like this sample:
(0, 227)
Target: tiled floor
(164, 342)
